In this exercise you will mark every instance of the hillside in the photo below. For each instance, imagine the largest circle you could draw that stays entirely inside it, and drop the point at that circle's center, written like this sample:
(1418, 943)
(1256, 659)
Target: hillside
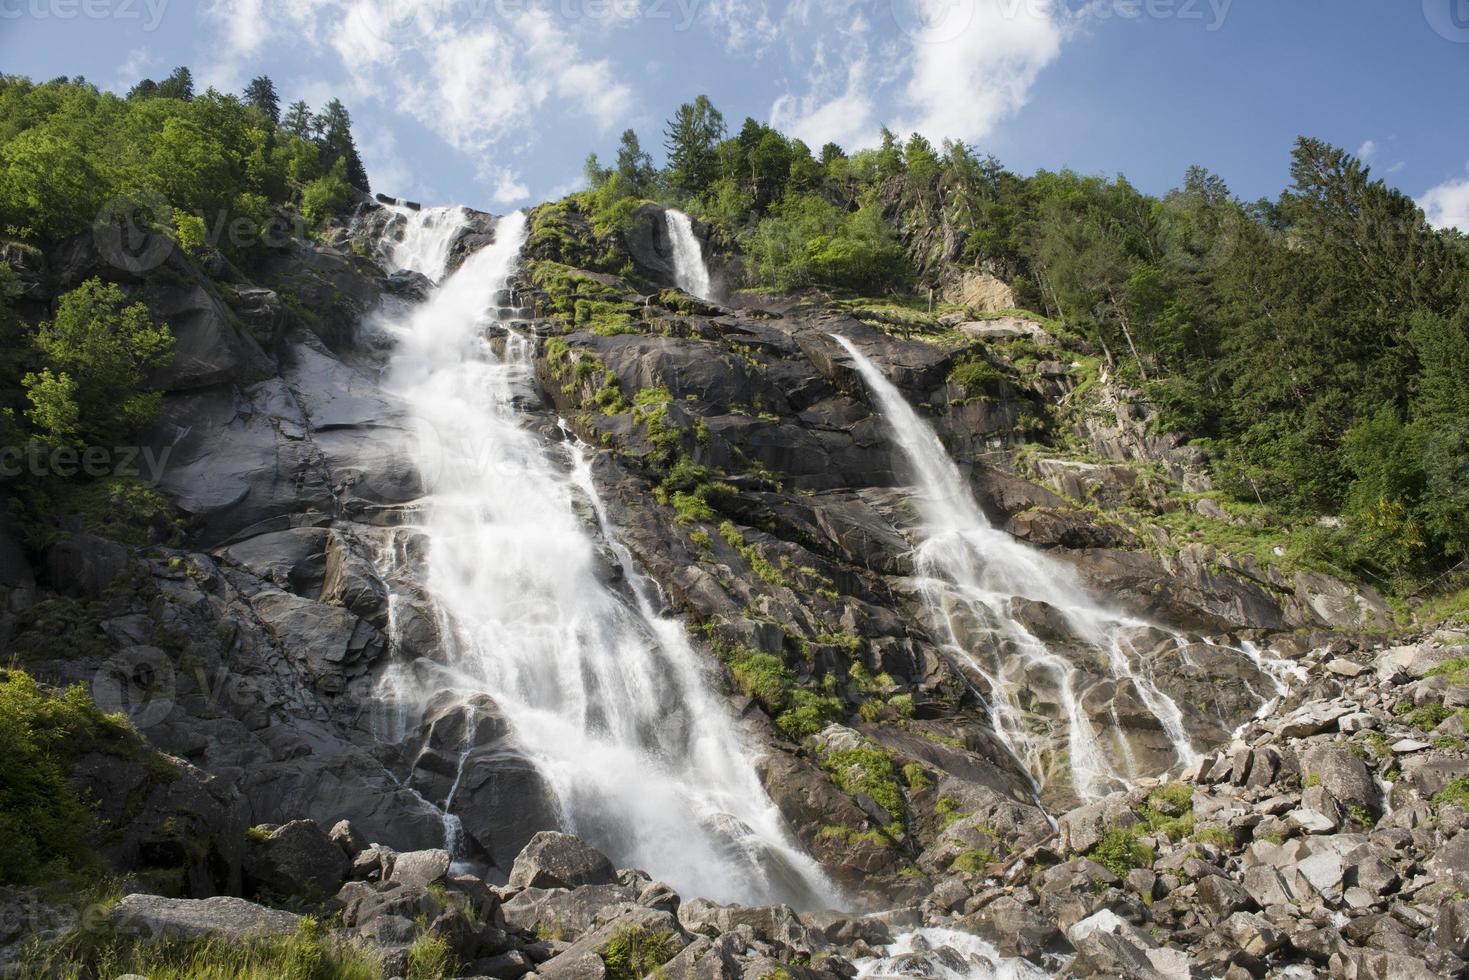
(775, 565)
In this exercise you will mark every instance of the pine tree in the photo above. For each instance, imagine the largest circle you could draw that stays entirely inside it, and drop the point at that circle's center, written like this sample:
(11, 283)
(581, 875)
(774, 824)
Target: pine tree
(146, 89)
(298, 120)
(692, 135)
(337, 144)
(261, 94)
(179, 85)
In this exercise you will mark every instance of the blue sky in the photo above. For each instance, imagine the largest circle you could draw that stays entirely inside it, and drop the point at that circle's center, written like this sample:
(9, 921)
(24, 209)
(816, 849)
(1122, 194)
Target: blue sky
(495, 103)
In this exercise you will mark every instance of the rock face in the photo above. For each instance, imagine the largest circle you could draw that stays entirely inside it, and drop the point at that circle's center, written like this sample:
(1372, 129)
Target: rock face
(269, 649)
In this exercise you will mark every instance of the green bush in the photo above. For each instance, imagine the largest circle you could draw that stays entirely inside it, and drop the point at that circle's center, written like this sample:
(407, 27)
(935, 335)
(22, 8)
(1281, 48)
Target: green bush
(99, 351)
(44, 826)
(632, 951)
(1119, 851)
(869, 771)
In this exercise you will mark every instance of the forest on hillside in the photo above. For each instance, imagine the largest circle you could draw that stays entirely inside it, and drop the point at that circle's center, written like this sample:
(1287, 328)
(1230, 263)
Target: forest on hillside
(1316, 345)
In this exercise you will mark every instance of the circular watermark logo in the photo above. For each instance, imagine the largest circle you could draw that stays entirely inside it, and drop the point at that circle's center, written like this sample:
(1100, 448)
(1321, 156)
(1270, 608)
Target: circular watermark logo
(933, 21)
(1448, 18)
(131, 231)
(410, 23)
(139, 683)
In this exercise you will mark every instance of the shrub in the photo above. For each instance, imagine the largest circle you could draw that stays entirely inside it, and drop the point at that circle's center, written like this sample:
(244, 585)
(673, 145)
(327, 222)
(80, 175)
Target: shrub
(869, 771)
(1119, 851)
(1454, 793)
(429, 958)
(633, 951)
(99, 351)
(44, 826)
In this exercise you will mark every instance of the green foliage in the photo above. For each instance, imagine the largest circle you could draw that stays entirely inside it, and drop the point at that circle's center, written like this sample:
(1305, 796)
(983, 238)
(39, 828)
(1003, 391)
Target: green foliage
(1169, 811)
(430, 958)
(66, 149)
(1216, 836)
(869, 771)
(1119, 851)
(312, 953)
(809, 241)
(98, 351)
(44, 826)
(973, 861)
(1454, 793)
(633, 951)
(1455, 669)
(978, 377)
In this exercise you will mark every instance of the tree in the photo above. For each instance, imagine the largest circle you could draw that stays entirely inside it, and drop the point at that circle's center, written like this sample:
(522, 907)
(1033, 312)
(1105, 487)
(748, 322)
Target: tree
(337, 144)
(634, 165)
(692, 135)
(298, 121)
(261, 94)
(593, 172)
(98, 354)
(328, 196)
(179, 85)
(145, 89)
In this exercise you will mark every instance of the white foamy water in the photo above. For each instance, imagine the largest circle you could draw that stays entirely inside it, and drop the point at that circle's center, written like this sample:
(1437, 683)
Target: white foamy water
(944, 954)
(607, 700)
(689, 269)
(971, 574)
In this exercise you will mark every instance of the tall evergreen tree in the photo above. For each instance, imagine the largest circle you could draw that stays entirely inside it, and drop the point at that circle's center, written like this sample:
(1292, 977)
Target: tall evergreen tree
(261, 94)
(179, 85)
(298, 120)
(337, 144)
(691, 137)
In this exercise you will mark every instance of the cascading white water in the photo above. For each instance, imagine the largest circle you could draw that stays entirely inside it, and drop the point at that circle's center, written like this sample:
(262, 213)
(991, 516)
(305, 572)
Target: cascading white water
(944, 954)
(689, 270)
(605, 699)
(971, 574)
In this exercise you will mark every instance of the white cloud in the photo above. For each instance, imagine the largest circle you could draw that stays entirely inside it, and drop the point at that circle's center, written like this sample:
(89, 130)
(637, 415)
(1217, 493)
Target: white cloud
(1367, 151)
(508, 187)
(1447, 205)
(945, 68)
(476, 75)
(847, 118)
(968, 75)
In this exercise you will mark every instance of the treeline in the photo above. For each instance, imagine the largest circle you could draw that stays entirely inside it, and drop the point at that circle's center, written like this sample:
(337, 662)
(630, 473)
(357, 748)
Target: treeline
(68, 151)
(1317, 344)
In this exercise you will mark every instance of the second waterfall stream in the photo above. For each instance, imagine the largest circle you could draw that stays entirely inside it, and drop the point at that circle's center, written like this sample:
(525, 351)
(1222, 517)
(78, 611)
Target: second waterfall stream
(972, 577)
(606, 700)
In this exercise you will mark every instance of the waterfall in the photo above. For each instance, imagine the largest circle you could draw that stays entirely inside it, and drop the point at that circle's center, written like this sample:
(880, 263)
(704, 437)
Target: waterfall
(972, 576)
(604, 698)
(689, 270)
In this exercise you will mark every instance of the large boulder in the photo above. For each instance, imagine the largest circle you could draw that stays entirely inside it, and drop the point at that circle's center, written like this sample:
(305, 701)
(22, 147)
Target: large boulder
(298, 859)
(222, 917)
(556, 860)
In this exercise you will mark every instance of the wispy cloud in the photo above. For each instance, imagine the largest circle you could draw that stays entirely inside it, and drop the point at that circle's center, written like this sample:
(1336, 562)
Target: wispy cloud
(1367, 151)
